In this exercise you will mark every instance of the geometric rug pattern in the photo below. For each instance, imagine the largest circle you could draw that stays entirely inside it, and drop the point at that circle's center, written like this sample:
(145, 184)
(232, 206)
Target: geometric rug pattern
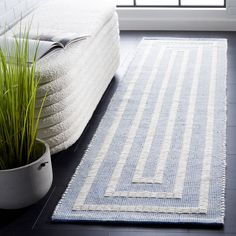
(158, 155)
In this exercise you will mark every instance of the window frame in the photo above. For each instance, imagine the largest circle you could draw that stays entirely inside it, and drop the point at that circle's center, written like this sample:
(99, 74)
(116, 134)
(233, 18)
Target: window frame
(171, 6)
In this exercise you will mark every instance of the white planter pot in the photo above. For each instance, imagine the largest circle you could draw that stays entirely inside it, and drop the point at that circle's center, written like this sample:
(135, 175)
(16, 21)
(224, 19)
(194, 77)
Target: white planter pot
(21, 187)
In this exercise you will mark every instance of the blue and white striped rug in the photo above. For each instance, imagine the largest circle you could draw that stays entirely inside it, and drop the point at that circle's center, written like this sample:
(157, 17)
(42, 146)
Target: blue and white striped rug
(159, 153)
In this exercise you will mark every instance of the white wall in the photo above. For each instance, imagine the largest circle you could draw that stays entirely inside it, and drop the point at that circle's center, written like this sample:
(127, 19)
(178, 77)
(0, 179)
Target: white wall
(208, 19)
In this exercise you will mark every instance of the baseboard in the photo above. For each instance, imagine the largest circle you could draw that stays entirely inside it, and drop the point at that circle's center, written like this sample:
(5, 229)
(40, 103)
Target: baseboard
(177, 19)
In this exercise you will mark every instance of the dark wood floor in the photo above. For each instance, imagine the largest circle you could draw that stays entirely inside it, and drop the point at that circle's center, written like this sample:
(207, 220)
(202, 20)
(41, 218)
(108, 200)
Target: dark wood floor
(35, 220)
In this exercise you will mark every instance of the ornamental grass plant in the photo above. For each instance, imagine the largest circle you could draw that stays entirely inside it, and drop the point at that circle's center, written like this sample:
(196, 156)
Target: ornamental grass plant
(18, 120)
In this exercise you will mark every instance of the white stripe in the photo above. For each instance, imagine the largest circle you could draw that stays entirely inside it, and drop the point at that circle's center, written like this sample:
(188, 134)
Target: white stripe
(153, 126)
(140, 208)
(206, 165)
(111, 132)
(136, 122)
(180, 177)
(184, 154)
(166, 145)
(184, 43)
(142, 194)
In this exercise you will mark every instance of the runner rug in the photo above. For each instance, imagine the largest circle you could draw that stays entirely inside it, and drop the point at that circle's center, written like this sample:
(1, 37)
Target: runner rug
(158, 155)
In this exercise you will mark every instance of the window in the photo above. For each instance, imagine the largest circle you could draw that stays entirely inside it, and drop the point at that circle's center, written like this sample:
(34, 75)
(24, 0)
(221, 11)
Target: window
(171, 3)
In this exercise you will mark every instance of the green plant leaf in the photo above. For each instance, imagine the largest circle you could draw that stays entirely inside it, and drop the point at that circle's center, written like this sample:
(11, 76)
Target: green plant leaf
(18, 88)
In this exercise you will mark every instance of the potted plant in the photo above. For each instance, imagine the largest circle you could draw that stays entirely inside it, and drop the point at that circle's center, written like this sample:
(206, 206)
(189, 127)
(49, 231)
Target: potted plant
(25, 162)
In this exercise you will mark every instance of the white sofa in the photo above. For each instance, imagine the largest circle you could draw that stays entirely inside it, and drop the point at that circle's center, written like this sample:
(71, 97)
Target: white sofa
(77, 77)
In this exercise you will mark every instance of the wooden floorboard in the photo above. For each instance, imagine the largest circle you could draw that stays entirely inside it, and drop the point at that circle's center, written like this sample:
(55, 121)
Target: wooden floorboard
(35, 220)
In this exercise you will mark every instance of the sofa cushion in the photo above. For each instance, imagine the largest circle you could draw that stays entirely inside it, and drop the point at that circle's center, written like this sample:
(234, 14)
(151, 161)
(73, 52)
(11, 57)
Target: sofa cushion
(80, 16)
